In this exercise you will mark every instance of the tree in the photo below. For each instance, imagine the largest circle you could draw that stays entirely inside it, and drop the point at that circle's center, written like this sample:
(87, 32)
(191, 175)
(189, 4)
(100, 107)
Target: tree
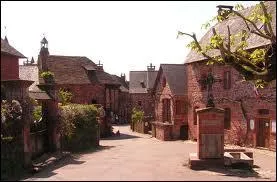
(258, 65)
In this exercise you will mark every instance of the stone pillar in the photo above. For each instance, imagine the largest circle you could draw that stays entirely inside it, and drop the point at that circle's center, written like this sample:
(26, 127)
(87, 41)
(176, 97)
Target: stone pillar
(51, 109)
(210, 133)
(210, 138)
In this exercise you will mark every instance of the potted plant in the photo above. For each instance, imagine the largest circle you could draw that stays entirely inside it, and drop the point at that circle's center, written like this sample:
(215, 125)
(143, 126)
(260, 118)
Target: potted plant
(48, 76)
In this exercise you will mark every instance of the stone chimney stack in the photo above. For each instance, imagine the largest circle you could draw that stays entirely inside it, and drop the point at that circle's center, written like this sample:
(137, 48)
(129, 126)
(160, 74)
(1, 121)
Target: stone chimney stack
(123, 77)
(100, 66)
(150, 67)
(224, 11)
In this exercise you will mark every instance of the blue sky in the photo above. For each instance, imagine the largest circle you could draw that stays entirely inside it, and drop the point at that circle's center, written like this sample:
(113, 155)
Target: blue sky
(123, 35)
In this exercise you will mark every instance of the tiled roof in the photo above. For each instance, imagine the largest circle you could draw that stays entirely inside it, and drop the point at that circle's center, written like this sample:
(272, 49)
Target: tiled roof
(175, 77)
(236, 25)
(39, 95)
(141, 81)
(77, 70)
(6, 48)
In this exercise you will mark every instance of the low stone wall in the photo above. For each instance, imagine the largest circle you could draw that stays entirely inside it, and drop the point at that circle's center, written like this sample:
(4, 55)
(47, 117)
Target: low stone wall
(38, 143)
(162, 131)
(140, 127)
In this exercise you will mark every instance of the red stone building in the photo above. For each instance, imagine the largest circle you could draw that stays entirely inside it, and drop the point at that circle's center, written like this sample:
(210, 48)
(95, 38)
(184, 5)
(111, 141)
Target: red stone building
(170, 102)
(140, 87)
(123, 99)
(250, 115)
(87, 81)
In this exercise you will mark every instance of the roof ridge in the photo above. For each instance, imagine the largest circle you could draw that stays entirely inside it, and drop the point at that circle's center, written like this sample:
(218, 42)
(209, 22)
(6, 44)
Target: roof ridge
(67, 56)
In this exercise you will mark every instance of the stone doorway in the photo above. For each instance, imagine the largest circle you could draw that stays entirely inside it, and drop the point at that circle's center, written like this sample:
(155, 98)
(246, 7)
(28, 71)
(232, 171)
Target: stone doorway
(263, 132)
(184, 132)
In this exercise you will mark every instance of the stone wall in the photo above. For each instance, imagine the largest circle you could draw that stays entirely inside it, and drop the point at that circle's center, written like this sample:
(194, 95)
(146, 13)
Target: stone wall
(84, 93)
(162, 131)
(9, 67)
(147, 102)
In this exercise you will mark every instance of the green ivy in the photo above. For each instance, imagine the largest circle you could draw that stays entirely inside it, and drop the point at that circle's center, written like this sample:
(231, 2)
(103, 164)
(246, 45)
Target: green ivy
(65, 96)
(137, 115)
(47, 75)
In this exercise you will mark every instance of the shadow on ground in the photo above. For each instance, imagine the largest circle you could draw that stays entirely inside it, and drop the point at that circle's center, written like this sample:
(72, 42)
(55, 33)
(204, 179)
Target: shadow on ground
(240, 170)
(122, 136)
(72, 159)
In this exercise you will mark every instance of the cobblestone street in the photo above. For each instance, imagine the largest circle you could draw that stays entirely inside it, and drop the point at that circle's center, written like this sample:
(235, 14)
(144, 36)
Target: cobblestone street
(134, 156)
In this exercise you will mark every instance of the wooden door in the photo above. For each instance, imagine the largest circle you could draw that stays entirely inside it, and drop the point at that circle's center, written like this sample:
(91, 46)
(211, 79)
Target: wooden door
(263, 133)
(184, 132)
(166, 110)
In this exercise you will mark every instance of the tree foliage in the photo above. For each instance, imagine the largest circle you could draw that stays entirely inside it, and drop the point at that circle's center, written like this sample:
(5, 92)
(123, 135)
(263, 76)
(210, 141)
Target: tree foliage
(258, 65)
(65, 96)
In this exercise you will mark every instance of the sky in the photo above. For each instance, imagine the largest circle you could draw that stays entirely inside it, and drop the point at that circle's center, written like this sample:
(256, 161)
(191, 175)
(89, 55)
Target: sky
(124, 35)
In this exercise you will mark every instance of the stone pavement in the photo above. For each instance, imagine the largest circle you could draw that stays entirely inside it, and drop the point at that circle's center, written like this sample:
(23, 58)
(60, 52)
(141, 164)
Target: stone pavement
(133, 156)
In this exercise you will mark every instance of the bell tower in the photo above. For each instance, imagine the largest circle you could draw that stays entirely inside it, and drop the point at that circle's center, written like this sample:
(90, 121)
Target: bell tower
(43, 54)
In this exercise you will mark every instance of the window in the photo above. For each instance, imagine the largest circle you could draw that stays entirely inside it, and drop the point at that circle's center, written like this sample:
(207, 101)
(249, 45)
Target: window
(179, 107)
(227, 118)
(263, 111)
(227, 80)
(195, 115)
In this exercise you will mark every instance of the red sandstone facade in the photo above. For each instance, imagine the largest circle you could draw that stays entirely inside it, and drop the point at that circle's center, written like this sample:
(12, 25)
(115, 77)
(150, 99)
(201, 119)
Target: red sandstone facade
(241, 100)
(87, 81)
(140, 90)
(9, 67)
(170, 102)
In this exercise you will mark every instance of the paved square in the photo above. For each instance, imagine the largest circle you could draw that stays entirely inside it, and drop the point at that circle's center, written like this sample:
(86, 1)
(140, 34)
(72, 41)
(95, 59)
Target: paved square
(134, 156)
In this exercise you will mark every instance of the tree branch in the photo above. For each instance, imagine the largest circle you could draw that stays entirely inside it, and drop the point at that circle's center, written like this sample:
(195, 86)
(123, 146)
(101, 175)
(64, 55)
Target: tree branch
(254, 25)
(197, 44)
(268, 24)
(229, 39)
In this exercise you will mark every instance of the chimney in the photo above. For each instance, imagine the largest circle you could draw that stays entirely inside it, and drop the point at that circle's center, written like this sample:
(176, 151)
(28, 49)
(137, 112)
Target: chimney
(100, 66)
(151, 67)
(224, 11)
(6, 39)
(122, 76)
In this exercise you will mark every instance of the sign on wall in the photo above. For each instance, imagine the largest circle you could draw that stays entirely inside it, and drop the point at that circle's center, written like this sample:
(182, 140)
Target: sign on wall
(273, 126)
(252, 124)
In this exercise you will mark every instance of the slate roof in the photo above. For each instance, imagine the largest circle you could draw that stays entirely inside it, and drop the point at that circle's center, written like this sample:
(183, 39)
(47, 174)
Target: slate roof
(236, 24)
(175, 77)
(137, 77)
(6, 48)
(30, 72)
(77, 70)
(123, 84)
